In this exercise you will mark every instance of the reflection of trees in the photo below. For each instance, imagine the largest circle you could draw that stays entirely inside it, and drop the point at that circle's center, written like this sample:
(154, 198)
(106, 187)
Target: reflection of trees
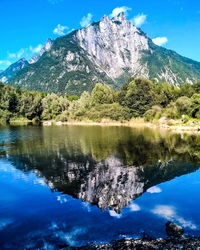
(107, 166)
(132, 146)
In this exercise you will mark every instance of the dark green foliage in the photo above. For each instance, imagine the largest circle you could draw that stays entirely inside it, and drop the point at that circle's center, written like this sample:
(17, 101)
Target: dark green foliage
(138, 95)
(195, 113)
(30, 105)
(196, 87)
(102, 94)
(183, 105)
(137, 98)
(153, 114)
(112, 111)
(72, 98)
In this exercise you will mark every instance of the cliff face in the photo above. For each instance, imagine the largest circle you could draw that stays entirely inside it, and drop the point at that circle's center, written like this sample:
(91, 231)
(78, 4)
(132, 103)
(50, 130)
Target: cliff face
(115, 46)
(109, 51)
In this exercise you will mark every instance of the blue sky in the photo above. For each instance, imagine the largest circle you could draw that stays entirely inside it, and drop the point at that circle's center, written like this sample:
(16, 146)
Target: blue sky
(26, 24)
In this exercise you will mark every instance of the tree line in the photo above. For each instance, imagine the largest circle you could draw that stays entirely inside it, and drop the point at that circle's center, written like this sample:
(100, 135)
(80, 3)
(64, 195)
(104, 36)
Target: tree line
(137, 98)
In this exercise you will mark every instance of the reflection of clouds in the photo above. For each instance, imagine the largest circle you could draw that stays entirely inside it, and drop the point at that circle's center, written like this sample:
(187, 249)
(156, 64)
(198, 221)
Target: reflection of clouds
(154, 189)
(17, 174)
(40, 181)
(114, 214)
(62, 199)
(134, 207)
(169, 213)
(86, 205)
(31, 177)
(71, 236)
(53, 226)
(5, 222)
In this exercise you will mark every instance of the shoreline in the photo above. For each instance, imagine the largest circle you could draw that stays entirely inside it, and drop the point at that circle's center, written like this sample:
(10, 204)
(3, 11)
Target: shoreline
(175, 126)
(140, 123)
(145, 243)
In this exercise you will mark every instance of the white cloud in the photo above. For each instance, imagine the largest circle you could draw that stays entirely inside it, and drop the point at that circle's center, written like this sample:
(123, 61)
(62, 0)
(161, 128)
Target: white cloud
(139, 20)
(134, 207)
(114, 214)
(154, 189)
(160, 40)
(62, 199)
(60, 30)
(71, 237)
(18, 54)
(5, 62)
(86, 20)
(40, 182)
(118, 10)
(169, 213)
(36, 49)
(86, 205)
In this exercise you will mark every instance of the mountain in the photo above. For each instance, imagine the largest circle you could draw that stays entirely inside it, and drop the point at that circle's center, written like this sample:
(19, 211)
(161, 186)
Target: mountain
(109, 51)
(46, 47)
(11, 71)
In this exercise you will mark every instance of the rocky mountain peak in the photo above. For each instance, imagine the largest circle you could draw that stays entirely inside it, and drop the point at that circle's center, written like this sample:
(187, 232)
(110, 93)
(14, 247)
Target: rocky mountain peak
(114, 45)
(105, 19)
(46, 47)
(121, 17)
(110, 51)
(22, 60)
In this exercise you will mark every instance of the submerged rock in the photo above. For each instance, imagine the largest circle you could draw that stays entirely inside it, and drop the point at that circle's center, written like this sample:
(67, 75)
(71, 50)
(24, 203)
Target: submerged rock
(173, 230)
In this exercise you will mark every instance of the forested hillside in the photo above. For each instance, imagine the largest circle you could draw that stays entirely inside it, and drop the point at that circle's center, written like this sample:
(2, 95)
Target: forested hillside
(137, 98)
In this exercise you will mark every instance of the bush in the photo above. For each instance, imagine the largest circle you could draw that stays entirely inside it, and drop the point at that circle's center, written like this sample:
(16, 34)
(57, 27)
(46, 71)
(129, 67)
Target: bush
(63, 117)
(153, 114)
(102, 94)
(113, 112)
(5, 116)
(183, 105)
(171, 111)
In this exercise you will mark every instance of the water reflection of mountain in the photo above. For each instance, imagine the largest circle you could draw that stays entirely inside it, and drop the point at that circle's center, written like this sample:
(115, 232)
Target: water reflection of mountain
(108, 167)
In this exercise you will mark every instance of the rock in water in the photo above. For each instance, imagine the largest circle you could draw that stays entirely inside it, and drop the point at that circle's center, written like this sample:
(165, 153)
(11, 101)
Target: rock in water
(173, 230)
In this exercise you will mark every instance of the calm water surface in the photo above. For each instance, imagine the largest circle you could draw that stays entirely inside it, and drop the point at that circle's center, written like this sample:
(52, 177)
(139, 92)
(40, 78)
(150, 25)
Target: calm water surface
(77, 185)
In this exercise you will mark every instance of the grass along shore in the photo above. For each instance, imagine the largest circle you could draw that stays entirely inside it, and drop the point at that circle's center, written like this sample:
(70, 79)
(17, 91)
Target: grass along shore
(175, 125)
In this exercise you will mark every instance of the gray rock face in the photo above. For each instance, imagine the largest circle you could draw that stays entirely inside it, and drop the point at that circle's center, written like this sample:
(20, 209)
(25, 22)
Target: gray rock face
(115, 46)
(112, 185)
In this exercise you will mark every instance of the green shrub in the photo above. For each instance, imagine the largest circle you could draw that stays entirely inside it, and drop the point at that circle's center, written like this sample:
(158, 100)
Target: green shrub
(113, 112)
(63, 117)
(153, 114)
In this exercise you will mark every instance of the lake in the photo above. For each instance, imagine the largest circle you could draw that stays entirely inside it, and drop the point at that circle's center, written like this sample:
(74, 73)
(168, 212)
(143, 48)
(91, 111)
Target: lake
(87, 184)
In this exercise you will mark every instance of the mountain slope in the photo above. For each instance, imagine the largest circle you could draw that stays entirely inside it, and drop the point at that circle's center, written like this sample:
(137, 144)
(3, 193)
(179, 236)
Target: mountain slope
(11, 71)
(46, 47)
(109, 51)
